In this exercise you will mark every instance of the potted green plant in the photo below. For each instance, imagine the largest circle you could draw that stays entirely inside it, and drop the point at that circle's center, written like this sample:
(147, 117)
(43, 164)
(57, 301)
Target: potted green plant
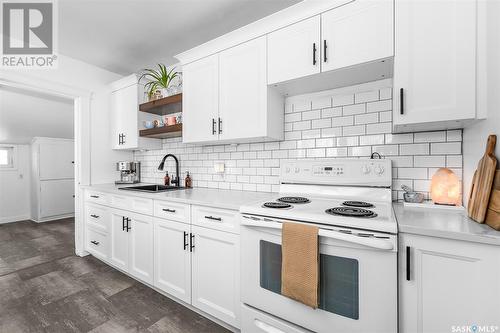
(158, 79)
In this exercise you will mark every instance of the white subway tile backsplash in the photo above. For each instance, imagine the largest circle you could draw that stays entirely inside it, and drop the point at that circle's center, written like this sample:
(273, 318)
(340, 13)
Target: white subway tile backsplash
(353, 109)
(446, 148)
(414, 149)
(343, 100)
(366, 96)
(329, 126)
(439, 136)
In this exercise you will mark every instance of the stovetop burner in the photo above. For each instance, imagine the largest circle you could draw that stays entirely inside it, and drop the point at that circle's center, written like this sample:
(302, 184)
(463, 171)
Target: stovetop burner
(351, 211)
(360, 204)
(277, 205)
(294, 200)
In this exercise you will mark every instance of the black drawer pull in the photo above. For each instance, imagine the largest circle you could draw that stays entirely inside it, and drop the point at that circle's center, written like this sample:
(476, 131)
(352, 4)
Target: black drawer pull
(95, 242)
(94, 216)
(408, 263)
(185, 240)
(191, 241)
(401, 101)
(168, 210)
(213, 218)
(94, 196)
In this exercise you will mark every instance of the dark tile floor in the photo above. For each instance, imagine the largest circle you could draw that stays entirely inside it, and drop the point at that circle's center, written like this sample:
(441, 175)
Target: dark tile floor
(44, 287)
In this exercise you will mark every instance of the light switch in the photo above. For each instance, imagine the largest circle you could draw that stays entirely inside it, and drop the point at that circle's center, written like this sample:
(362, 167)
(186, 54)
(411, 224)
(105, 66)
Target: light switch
(219, 167)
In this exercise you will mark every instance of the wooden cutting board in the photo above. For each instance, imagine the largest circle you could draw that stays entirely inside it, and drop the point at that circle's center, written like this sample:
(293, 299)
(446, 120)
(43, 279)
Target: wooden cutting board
(482, 182)
(493, 213)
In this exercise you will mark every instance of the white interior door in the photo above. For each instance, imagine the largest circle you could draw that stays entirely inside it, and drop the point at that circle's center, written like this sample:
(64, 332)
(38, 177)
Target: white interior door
(435, 61)
(56, 160)
(172, 258)
(57, 197)
(215, 274)
(200, 100)
(141, 247)
(294, 51)
(243, 106)
(358, 32)
(119, 240)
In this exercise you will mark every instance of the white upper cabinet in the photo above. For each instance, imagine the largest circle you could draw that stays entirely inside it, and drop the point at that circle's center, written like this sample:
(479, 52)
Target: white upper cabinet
(434, 64)
(126, 95)
(226, 97)
(200, 100)
(358, 32)
(294, 51)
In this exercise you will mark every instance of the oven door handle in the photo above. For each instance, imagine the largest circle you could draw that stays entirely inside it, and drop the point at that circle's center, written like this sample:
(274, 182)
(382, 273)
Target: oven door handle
(366, 241)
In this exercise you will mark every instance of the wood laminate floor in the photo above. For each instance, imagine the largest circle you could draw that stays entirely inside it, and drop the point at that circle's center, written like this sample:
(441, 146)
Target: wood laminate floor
(44, 287)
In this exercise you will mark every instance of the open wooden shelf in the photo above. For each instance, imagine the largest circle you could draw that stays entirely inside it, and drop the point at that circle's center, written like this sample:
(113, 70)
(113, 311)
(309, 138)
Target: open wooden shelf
(163, 106)
(171, 131)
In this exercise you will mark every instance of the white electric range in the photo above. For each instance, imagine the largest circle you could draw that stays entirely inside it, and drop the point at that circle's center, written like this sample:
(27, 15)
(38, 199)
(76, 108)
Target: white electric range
(350, 200)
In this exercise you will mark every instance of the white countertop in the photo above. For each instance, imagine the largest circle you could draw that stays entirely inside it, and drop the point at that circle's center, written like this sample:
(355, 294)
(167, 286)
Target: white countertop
(444, 224)
(228, 199)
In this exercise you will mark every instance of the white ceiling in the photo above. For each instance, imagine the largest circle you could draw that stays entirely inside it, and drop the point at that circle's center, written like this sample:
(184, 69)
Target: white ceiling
(25, 114)
(124, 36)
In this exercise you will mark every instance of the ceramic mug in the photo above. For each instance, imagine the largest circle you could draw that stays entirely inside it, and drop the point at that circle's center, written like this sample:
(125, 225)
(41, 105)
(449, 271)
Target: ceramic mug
(170, 120)
(148, 124)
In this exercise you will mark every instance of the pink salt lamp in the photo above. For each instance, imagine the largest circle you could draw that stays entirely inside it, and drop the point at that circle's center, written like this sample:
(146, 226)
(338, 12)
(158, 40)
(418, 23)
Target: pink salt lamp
(445, 188)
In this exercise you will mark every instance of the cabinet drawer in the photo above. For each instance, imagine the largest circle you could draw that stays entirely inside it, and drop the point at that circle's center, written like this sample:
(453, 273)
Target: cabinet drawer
(96, 197)
(134, 204)
(216, 218)
(172, 211)
(97, 216)
(97, 243)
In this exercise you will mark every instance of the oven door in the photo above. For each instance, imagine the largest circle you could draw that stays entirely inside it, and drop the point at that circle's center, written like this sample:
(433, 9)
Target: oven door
(358, 279)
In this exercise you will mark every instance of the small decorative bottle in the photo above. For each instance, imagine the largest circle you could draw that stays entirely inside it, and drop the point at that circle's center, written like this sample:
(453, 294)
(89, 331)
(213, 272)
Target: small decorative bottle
(188, 182)
(166, 179)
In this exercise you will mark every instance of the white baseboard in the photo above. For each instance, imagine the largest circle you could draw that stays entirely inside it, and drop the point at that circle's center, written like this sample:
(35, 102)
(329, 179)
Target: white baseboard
(53, 218)
(10, 219)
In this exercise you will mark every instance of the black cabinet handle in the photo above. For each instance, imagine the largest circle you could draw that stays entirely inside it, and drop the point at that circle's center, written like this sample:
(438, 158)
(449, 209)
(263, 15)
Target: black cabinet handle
(128, 225)
(220, 126)
(168, 210)
(123, 139)
(94, 216)
(314, 54)
(94, 196)
(213, 127)
(408, 263)
(185, 240)
(401, 101)
(123, 223)
(213, 218)
(191, 241)
(120, 138)
(95, 242)
(324, 50)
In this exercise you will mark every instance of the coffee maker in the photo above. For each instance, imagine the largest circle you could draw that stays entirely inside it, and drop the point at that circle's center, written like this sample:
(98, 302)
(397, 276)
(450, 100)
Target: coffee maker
(130, 172)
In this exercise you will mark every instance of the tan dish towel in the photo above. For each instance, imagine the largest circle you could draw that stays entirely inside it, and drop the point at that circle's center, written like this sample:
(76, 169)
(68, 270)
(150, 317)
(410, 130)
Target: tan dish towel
(300, 263)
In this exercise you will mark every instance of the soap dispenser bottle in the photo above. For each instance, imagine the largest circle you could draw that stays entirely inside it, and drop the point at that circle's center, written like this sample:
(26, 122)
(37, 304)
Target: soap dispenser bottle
(166, 179)
(188, 182)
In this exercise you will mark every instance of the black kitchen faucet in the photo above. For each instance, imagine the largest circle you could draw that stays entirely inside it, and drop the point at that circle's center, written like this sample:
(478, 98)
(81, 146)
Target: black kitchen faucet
(176, 180)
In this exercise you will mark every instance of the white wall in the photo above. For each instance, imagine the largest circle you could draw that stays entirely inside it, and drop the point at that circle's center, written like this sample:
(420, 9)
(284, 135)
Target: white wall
(77, 74)
(475, 136)
(25, 115)
(15, 188)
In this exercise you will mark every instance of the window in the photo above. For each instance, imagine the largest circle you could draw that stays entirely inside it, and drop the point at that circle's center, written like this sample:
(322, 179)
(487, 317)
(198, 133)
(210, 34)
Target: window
(7, 157)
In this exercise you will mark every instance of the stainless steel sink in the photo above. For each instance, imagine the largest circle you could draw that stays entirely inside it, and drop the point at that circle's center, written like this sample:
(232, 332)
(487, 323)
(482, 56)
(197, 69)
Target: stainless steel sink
(152, 188)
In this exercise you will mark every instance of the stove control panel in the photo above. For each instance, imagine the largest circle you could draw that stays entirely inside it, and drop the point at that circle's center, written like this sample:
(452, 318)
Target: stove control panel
(365, 172)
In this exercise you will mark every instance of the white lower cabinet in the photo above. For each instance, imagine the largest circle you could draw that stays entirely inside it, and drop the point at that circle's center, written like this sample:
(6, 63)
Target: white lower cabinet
(216, 274)
(197, 265)
(172, 258)
(447, 285)
(132, 244)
